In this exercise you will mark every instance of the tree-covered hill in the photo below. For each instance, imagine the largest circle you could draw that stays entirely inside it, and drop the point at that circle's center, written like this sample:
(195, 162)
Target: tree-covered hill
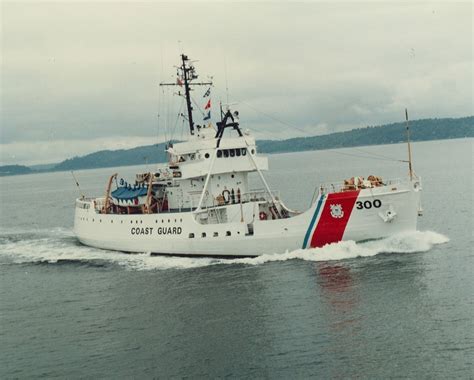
(421, 130)
(107, 158)
(14, 170)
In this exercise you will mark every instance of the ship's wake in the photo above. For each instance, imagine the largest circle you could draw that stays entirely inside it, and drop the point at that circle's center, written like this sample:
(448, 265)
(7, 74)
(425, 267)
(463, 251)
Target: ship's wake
(60, 247)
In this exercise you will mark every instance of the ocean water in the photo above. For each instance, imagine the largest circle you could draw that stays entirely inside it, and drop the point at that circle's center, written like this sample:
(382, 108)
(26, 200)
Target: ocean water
(397, 307)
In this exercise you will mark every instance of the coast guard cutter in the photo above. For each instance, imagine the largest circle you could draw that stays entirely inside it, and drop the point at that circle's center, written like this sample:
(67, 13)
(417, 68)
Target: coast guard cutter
(200, 202)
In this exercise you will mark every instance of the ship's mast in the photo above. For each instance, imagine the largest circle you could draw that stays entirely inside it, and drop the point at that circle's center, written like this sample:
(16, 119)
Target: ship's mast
(187, 75)
(410, 167)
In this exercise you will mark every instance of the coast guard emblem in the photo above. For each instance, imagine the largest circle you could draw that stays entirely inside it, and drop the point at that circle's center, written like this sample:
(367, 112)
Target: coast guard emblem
(336, 211)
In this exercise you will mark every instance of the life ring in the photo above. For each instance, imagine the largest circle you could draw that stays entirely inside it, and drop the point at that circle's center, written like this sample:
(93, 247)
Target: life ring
(262, 215)
(226, 195)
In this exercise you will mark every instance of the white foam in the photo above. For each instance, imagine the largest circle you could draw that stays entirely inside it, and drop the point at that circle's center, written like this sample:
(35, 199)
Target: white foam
(60, 245)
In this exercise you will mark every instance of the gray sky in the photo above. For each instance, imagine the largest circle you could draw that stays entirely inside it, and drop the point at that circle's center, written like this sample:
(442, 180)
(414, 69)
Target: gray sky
(79, 77)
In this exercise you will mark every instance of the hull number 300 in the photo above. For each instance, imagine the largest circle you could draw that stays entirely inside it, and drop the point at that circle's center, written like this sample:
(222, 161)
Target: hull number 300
(376, 203)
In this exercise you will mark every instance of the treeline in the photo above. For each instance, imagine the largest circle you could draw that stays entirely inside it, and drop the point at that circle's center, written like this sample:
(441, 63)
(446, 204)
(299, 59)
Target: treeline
(421, 130)
(15, 169)
(122, 157)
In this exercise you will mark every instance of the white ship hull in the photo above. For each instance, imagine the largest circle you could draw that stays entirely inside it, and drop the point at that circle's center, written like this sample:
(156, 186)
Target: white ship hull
(354, 215)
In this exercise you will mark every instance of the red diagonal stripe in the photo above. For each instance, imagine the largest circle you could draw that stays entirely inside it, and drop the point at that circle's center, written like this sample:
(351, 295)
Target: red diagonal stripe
(329, 228)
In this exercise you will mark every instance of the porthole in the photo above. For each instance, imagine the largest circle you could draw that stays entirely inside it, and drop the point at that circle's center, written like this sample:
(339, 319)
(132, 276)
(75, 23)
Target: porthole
(232, 176)
(181, 220)
(203, 235)
(253, 151)
(228, 233)
(216, 234)
(131, 222)
(206, 155)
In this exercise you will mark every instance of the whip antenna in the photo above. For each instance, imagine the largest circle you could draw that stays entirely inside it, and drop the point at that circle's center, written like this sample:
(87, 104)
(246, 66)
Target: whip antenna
(77, 184)
(410, 168)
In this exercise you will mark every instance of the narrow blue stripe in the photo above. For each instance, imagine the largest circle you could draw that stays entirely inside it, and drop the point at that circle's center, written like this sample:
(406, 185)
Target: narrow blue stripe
(311, 225)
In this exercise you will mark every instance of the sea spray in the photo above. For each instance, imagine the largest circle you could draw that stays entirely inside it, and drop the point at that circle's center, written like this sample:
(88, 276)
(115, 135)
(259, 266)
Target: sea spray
(60, 246)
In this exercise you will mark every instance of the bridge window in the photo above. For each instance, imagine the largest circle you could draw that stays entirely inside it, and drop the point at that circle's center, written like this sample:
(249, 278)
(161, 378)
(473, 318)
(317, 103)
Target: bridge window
(244, 151)
(219, 153)
(232, 152)
(237, 152)
(226, 153)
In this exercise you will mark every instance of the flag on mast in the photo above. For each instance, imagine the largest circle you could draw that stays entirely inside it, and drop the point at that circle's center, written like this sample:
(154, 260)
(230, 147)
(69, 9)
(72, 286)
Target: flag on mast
(208, 105)
(208, 116)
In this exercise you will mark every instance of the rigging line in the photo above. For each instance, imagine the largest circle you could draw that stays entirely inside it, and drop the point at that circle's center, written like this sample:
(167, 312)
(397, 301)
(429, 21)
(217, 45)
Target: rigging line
(275, 119)
(197, 106)
(226, 82)
(361, 156)
(271, 117)
(160, 91)
(159, 115)
(167, 127)
(176, 121)
(379, 156)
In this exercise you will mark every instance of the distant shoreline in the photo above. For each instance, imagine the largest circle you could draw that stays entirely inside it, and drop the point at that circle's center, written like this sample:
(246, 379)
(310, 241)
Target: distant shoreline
(421, 130)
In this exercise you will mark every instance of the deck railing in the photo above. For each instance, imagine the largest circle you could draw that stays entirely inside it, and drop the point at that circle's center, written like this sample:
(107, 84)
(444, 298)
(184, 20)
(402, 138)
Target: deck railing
(326, 188)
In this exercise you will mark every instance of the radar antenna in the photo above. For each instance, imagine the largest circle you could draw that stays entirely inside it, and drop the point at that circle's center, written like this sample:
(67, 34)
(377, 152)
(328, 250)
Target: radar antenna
(186, 74)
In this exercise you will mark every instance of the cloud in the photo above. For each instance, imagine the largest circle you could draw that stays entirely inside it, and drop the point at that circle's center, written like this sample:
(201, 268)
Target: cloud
(89, 72)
